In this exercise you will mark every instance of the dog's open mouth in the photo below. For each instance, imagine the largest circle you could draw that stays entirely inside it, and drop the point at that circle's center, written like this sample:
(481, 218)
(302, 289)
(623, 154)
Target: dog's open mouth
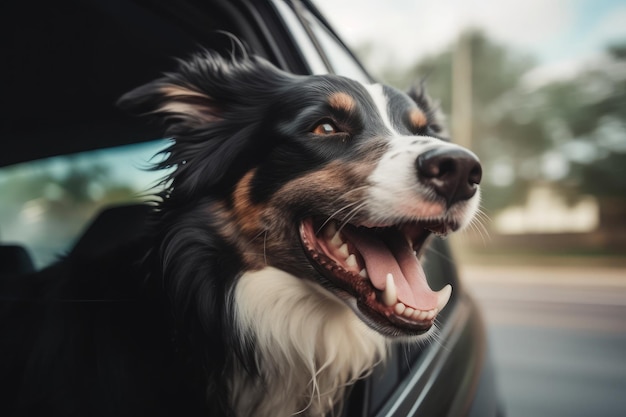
(379, 267)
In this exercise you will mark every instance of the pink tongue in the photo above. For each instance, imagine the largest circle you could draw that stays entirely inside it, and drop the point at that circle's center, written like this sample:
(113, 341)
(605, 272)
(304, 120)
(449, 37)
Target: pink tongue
(395, 257)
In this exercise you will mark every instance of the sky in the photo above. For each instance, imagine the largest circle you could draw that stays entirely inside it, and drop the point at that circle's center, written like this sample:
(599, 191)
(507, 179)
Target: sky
(558, 33)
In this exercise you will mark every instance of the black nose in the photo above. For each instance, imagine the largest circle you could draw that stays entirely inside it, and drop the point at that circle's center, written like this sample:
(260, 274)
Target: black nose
(454, 173)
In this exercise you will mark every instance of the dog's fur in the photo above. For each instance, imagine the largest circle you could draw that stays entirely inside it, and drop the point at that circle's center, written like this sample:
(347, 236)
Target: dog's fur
(230, 304)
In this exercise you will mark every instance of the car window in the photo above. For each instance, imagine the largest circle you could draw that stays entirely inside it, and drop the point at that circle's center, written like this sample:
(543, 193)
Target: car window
(305, 44)
(47, 203)
(343, 63)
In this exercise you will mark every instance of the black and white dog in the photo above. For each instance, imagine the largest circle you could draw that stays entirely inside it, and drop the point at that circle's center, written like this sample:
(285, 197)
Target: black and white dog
(280, 262)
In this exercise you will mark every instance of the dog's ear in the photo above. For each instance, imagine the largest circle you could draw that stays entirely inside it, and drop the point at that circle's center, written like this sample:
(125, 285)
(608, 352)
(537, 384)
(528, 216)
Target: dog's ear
(432, 109)
(178, 103)
(182, 99)
(203, 88)
(212, 106)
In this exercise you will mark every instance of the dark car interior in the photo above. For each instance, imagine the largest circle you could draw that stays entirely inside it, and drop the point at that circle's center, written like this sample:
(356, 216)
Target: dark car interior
(72, 60)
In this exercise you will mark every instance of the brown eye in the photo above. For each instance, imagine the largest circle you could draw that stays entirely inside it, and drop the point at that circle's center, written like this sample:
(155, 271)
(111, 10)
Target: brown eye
(325, 128)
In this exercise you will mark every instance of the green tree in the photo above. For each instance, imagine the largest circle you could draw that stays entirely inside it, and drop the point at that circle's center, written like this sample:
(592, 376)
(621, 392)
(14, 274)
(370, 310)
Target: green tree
(590, 110)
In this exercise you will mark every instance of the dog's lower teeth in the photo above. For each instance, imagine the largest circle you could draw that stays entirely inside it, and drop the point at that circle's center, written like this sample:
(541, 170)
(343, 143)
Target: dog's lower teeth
(363, 273)
(413, 314)
(351, 261)
(399, 308)
(390, 294)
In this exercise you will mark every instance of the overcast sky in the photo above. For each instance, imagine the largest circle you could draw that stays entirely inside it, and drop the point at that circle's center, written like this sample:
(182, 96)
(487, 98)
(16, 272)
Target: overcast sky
(556, 32)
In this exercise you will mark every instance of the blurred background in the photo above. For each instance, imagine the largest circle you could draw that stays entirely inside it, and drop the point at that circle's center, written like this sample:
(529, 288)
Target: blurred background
(538, 90)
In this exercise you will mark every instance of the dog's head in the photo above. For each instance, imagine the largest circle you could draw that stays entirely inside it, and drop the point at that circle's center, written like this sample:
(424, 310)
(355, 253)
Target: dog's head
(323, 177)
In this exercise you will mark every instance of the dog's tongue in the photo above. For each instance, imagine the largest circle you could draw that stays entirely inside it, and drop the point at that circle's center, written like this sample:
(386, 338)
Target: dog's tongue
(391, 253)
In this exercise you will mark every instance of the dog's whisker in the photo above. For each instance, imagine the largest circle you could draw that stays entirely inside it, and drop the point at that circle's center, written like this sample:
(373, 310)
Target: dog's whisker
(258, 235)
(351, 215)
(481, 212)
(484, 233)
(476, 225)
(434, 336)
(265, 247)
(329, 218)
(263, 233)
(349, 192)
(482, 217)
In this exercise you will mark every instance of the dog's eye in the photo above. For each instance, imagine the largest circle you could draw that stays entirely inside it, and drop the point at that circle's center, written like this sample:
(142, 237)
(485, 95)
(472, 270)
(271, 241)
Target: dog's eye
(325, 128)
(434, 127)
(429, 130)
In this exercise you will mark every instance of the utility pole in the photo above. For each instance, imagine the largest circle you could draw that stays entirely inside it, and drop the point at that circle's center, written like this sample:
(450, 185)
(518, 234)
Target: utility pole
(462, 91)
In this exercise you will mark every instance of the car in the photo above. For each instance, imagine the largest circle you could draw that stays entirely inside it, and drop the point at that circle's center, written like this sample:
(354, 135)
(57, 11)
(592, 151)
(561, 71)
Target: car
(69, 153)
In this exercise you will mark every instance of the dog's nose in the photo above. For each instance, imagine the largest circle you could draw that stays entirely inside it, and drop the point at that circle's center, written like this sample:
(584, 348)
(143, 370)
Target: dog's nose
(454, 173)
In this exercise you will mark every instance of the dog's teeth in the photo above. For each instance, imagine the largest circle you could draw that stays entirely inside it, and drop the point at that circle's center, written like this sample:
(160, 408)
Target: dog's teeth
(443, 296)
(336, 240)
(390, 295)
(363, 273)
(415, 253)
(330, 230)
(414, 314)
(351, 260)
(343, 250)
(399, 308)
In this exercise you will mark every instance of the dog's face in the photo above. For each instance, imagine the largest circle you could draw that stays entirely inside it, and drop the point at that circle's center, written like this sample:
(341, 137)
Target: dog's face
(323, 177)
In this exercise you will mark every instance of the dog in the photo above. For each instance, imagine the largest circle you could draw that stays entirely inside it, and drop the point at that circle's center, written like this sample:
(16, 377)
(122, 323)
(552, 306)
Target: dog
(280, 261)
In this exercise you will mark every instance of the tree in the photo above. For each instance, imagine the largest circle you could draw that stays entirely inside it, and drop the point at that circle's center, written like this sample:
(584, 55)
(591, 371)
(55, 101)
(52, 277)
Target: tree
(591, 110)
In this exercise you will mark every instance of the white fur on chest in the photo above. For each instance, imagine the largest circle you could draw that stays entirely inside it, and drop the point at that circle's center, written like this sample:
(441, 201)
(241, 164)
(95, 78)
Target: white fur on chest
(309, 346)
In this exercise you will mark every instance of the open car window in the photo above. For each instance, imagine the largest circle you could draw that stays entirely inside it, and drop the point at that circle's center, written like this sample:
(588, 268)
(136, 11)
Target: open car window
(339, 58)
(47, 203)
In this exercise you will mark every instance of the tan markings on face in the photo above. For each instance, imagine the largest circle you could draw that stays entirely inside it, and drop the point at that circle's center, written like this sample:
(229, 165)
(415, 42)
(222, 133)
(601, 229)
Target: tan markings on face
(418, 119)
(240, 223)
(347, 179)
(342, 101)
(226, 222)
(333, 190)
(248, 215)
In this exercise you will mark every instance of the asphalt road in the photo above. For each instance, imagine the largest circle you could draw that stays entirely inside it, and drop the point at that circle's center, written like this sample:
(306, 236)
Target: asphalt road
(558, 338)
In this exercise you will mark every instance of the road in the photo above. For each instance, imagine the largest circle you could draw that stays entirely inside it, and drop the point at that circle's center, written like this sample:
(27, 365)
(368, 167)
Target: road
(558, 338)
